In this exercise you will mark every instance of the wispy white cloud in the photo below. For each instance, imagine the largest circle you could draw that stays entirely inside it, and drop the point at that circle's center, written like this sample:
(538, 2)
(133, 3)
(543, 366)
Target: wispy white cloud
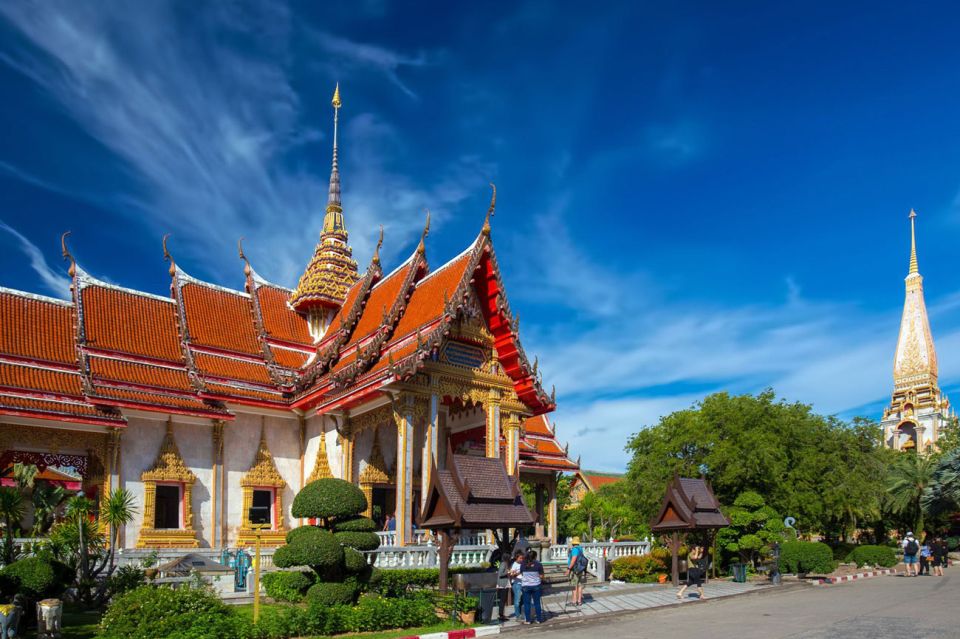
(206, 123)
(381, 59)
(55, 281)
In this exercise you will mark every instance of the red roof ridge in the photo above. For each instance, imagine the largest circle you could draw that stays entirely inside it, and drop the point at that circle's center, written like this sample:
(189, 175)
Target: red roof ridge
(185, 279)
(35, 296)
(84, 280)
(219, 352)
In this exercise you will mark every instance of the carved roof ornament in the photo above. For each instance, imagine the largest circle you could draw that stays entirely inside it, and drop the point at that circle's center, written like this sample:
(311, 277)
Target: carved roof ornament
(168, 257)
(264, 471)
(376, 470)
(169, 465)
(247, 270)
(67, 256)
(490, 210)
(331, 270)
(421, 247)
(321, 468)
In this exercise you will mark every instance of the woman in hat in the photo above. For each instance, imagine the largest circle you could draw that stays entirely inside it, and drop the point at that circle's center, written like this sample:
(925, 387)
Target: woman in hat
(577, 570)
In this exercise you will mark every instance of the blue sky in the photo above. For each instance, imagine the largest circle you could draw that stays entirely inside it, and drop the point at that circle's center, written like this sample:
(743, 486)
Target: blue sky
(692, 197)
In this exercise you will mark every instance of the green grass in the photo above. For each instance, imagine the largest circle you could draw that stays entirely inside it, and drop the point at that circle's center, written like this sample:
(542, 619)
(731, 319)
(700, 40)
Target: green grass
(75, 625)
(247, 611)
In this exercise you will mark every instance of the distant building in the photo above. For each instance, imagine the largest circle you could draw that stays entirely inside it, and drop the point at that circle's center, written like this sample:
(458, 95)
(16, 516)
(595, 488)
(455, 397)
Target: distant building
(918, 409)
(589, 481)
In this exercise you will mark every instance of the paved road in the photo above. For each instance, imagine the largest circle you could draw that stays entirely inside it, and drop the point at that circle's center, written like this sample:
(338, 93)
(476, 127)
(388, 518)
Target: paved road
(879, 608)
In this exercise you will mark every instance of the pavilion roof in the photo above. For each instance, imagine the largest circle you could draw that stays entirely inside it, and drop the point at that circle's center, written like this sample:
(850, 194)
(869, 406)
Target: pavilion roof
(540, 449)
(689, 504)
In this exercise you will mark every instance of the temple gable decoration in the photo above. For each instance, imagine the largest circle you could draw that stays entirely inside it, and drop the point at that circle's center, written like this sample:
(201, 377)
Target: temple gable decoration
(168, 493)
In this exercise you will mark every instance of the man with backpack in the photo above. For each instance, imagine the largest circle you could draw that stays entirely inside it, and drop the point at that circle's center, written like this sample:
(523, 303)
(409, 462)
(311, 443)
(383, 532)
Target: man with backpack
(577, 570)
(910, 550)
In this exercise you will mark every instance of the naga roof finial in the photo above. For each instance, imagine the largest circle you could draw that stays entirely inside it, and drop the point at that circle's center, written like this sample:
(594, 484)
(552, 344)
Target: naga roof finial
(421, 248)
(67, 256)
(168, 257)
(376, 252)
(247, 271)
(491, 210)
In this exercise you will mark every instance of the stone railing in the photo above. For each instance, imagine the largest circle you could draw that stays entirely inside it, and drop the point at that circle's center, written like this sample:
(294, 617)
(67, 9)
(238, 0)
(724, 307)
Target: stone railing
(426, 556)
(426, 538)
(136, 556)
(600, 553)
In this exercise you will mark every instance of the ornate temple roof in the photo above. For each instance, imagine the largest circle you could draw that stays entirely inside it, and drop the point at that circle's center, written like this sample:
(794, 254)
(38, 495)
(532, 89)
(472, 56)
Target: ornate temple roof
(540, 450)
(915, 363)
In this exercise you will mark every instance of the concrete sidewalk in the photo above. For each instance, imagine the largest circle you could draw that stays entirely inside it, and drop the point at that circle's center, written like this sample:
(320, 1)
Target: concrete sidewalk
(619, 598)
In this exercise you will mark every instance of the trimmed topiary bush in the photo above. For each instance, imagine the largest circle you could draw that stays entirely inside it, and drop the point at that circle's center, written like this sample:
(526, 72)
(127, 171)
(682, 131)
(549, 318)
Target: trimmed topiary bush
(149, 612)
(312, 546)
(354, 560)
(357, 524)
(882, 556)
(359, 540)
(806, 557)
(332, 593)
(329, 498)
(288, 586)
(35, 578)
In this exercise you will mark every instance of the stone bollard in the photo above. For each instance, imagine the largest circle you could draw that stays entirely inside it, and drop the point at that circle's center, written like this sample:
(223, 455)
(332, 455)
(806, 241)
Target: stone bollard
(49, 613)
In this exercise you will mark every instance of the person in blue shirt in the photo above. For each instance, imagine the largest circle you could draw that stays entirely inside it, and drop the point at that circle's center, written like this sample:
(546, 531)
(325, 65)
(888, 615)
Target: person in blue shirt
(577, 571)
(925, 555)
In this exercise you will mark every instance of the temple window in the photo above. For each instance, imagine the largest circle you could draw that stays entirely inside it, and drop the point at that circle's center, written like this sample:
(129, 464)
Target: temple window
(262, 499)
(167, 496)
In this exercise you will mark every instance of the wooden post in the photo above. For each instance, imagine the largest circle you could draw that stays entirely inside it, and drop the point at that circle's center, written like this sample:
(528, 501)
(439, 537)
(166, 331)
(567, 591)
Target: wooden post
(675, 559)
(448, 539)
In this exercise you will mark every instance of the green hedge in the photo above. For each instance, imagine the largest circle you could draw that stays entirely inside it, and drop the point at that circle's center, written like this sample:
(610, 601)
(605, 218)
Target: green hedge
(354, 560)
(806, 557)
(150, 612)
(287, 586)
(332, 593)
(329, 498)
(310, 546)
(35, 578)
(359, 540)
(637, 568)
(398, 582)
(882, 556)
(356, 524)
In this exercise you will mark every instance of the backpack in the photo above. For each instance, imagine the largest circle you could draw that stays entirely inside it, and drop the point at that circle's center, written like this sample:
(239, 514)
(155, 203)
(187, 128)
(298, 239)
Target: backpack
(580, 563)
(911, 547)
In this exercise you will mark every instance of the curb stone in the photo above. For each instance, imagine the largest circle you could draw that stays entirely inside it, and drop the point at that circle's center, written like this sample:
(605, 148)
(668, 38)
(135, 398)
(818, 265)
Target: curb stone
(466, 633)
(827, 581)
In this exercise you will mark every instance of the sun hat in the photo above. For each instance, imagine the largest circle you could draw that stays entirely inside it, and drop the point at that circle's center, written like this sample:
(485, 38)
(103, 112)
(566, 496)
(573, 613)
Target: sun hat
(575, 541)
(909, 534)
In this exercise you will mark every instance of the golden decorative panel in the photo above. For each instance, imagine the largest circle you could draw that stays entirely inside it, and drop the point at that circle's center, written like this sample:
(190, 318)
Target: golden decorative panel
(321, 468)
(168, 468)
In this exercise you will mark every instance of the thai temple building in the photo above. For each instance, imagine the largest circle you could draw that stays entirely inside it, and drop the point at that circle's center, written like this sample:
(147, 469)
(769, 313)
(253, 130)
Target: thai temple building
(213, 403)
(918, 409)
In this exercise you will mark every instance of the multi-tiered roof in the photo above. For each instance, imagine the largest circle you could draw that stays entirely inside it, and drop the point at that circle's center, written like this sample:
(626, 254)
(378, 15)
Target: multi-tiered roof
(207, 349)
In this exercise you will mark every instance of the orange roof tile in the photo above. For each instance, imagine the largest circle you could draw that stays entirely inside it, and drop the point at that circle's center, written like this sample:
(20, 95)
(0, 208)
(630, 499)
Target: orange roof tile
(219, 319)
(141, 374)
(596, 481)
(383, 295)
(153, 399)
(537, 426)
(541, 461)
(33, 328)
(426, 302)
(116, 320)
(398, 354)
(279, 320)
(19, 405)
(40, 379)
(289, 359)
(233, 391)
(230, 368)
(348, 303)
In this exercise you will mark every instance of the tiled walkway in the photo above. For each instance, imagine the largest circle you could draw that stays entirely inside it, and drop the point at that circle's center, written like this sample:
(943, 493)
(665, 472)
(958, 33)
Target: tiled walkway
(628, 597)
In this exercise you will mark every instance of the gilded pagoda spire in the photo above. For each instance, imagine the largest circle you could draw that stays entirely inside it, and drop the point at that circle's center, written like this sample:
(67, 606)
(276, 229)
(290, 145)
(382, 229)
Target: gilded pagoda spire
(916, 358)
(332, 270)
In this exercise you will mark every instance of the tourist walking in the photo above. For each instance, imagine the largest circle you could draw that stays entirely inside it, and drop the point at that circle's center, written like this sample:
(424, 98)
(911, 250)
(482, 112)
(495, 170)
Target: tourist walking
(696, 572)
(515, 583)
(925, 557)
(531, 577)
(577, 570)
(503, 584)
(939, 549)
(910, 550)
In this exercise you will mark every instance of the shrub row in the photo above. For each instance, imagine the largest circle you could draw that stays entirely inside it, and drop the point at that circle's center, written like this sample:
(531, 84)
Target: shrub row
(806, 557)
(637, 568)
(189, 613)
(287, 586)
(398, 582)
(35, 578)
(882, 556)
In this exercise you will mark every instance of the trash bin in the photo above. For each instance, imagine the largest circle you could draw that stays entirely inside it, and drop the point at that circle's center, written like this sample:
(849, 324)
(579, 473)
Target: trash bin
(739, 573)
(488, 601)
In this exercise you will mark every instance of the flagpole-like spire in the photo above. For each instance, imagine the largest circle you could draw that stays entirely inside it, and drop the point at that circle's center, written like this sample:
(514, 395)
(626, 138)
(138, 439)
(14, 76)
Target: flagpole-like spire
(914, 268)
(333, 201)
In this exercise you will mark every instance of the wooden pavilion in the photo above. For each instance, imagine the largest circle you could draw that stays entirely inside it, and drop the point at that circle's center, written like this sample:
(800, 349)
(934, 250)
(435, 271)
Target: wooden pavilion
(689, 506)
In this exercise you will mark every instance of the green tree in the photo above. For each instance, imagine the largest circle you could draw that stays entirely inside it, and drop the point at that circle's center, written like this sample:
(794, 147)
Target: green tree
(11, 512)
(941, 496)
(821, 470)
(47, 499)
(907, 480)
(754, 528)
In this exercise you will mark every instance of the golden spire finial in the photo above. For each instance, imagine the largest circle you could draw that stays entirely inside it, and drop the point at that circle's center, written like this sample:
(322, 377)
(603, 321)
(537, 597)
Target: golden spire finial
(168, 257)
(421, 248)
(914, 268)
(336, 97)
(67, 256)
(491, 210)
(247, 271)
(376, 251)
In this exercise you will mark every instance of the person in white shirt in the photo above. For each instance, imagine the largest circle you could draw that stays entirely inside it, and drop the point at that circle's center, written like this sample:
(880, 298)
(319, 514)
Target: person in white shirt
(516, 584)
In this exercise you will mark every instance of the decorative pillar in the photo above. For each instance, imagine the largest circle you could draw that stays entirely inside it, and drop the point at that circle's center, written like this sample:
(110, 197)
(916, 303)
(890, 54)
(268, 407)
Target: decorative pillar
(512, 433)
(429, 459)
(216, 503)
(403, 416)
(111, 480)
(346, 456)
(492, 406)
(538, 492)
(552, 507)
